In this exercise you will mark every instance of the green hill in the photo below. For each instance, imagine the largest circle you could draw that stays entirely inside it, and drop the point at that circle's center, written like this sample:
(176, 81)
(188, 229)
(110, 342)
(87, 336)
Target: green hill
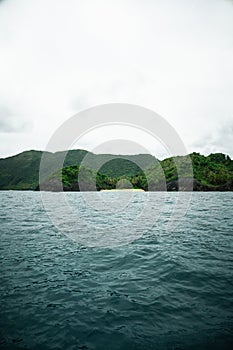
(21, 172)
(211, 173)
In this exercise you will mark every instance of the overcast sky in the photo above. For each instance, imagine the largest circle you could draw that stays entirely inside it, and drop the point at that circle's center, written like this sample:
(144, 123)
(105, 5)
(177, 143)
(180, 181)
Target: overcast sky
(60, 57)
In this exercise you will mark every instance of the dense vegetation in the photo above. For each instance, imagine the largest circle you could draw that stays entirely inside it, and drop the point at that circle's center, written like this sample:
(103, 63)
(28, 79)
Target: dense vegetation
(21, 172)
(214, 172)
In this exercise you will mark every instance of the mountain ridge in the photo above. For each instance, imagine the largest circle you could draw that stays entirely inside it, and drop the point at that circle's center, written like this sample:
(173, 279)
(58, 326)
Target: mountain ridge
(21, 171)
(210, 173)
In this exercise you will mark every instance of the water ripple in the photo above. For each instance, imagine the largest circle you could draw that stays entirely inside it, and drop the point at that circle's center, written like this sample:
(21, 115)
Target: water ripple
(165, 290)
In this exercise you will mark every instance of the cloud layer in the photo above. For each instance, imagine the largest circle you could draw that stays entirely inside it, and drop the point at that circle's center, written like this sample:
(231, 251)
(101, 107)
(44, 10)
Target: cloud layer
(59, 57)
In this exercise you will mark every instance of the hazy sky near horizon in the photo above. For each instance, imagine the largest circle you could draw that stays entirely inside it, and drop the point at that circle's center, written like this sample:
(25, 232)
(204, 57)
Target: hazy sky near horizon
(59, 57)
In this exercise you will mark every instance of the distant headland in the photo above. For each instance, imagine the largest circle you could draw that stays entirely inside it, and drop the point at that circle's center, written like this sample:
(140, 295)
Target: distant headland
(142, 171)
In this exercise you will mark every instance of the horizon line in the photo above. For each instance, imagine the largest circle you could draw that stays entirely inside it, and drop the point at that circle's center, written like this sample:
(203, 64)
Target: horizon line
(115, 154)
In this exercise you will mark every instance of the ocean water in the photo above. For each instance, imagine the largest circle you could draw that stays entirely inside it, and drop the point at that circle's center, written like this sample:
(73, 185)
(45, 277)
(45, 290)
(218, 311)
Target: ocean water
(158, 288)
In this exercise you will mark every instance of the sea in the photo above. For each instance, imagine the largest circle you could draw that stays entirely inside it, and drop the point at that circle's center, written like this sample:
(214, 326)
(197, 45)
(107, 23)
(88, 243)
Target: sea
(108, 271)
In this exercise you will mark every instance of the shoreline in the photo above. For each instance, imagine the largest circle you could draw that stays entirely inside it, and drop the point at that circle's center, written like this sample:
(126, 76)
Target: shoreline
(124, 190)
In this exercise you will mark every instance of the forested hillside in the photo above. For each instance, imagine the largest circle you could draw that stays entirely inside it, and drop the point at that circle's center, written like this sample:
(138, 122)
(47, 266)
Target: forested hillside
(211, 173)
(21, 172)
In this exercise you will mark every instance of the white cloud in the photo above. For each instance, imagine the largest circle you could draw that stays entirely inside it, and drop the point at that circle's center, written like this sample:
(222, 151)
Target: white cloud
(59, 57)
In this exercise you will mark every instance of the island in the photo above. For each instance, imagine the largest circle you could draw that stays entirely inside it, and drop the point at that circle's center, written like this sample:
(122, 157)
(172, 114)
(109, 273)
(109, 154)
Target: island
(141, 172)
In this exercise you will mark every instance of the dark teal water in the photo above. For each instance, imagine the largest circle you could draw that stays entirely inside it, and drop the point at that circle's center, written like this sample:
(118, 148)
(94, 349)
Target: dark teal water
(164, 290)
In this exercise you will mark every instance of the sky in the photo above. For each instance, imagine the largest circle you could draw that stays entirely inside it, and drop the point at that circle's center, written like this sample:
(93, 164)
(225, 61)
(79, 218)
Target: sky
(60, 57)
